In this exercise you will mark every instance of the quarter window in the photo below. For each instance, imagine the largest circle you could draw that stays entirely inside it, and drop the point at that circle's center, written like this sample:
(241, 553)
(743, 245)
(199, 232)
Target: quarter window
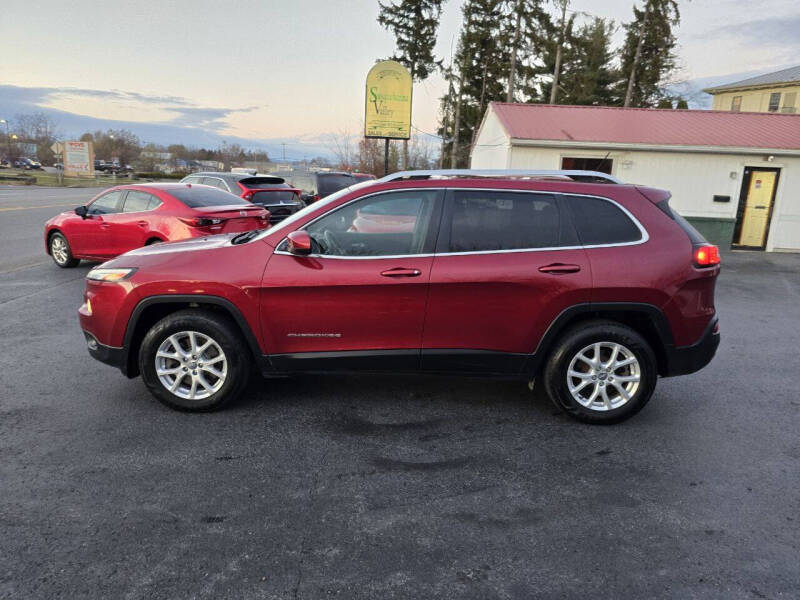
(600, 222)
(487, 220)
(137, 202)
(390, 224)
(105, 204)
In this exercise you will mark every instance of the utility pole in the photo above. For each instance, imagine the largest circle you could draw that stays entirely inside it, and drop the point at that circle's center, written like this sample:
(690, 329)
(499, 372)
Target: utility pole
(554, 89)
(638, 56)
(284, 151)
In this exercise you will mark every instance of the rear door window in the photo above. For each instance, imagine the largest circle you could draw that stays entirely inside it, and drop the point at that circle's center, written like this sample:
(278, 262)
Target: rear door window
(137, 202)
(484, 221)
(215, 182)
(106, 204)
(601, 222)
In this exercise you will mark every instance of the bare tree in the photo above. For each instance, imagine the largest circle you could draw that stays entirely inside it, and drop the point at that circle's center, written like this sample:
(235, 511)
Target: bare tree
(37, 128)
(341, 144)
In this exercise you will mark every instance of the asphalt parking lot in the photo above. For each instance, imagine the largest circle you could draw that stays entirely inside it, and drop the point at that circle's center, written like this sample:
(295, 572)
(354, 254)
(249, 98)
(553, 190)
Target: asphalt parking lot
(391, 487)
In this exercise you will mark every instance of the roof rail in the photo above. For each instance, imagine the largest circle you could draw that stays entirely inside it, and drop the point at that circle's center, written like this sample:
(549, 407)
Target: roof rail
(502, 173)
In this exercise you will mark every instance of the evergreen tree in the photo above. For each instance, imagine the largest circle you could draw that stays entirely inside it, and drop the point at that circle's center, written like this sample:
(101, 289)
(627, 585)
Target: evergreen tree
(479, 76)
(587, 71)
(414, 24)
(527, 30)
(648, 54)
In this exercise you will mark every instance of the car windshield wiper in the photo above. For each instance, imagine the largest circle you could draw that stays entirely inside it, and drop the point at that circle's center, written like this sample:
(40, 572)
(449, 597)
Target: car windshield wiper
(245, 237)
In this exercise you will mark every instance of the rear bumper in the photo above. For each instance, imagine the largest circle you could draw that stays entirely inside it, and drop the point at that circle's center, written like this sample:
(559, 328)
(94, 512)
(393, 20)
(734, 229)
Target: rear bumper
(116, 357)
(690, 359)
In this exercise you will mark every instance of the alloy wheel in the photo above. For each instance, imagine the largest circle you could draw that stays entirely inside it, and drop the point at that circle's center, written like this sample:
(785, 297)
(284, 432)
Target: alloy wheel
(603, 376)
(191, 365)
(59, 250)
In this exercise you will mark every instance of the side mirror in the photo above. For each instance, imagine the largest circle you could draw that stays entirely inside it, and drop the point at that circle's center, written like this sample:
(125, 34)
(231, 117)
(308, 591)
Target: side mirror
(81, 211)
(299, 243)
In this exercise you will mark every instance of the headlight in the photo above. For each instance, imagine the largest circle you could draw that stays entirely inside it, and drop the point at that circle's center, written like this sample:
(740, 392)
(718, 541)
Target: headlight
(110, 274)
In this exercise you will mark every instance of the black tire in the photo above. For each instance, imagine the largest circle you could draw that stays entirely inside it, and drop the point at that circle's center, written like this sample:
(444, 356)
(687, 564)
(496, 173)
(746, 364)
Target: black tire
(219, 328)
(59, 247)
(153, 241)
(579, 338)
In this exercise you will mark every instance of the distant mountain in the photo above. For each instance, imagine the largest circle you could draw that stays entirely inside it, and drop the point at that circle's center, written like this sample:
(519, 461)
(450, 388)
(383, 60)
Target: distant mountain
(71, 126)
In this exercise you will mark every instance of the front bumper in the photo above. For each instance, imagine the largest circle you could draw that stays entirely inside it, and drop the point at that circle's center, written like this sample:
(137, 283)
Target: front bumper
(116, 357)
(690, 359)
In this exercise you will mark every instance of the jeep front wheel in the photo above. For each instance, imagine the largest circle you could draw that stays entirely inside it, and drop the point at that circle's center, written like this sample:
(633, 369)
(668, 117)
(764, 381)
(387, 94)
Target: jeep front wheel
(194, 361)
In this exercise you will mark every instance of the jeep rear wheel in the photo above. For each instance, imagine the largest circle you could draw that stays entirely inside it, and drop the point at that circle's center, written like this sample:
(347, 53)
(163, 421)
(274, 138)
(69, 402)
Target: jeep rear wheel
(601, 372)
(194, 360)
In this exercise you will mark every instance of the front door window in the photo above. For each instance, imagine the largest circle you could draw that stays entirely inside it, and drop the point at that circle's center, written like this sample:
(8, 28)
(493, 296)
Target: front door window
(390, 224)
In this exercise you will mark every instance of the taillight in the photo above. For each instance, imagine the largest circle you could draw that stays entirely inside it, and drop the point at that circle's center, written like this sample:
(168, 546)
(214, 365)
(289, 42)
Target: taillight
(248, 195)
(706, 255)
(200, 221)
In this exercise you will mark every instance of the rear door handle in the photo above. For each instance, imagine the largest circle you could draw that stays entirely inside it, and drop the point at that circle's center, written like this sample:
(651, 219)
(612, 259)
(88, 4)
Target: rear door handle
(401, 272)
(560, 269)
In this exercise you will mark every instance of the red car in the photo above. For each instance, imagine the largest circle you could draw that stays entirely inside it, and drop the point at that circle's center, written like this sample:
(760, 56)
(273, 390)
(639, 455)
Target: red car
(131, 216)
(595, 288)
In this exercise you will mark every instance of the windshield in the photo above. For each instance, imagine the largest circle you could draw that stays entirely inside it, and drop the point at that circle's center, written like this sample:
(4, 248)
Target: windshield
(287, 222)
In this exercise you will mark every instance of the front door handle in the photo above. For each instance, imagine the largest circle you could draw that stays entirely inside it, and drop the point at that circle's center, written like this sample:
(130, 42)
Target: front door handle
(559, 269)
(105, 225)
(401, 272)
(142, 223)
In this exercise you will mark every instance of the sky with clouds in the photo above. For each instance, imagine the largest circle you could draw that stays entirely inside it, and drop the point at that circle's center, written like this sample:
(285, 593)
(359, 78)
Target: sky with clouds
(272, 69)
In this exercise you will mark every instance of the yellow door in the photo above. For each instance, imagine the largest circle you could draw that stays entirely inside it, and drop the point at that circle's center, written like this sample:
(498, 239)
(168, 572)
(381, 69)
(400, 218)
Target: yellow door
(757, 208)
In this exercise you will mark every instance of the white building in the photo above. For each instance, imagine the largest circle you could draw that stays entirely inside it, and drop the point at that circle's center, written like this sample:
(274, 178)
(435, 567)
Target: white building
(735, 176)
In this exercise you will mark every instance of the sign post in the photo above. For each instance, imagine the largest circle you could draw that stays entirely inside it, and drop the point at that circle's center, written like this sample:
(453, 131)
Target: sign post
(58, 151)
(387, 110)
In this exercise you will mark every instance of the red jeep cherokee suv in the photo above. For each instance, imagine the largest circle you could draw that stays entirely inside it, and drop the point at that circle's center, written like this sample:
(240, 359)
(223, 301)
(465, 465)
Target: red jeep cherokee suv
(595, 288)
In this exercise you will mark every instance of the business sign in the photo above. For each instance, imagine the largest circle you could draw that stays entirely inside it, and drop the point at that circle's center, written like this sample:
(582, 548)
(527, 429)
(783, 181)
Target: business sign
(388, 101)
(78, 159)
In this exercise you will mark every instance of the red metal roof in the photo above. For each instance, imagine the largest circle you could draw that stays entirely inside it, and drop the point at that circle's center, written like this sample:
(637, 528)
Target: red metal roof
(662, 127)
